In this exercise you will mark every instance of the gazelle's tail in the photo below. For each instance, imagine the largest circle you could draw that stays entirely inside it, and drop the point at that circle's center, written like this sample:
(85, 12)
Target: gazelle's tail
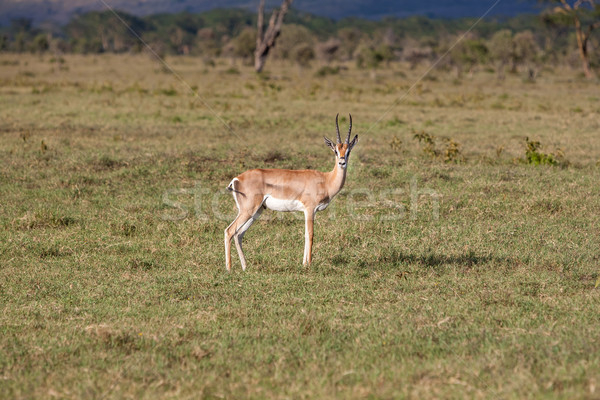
(232, 187)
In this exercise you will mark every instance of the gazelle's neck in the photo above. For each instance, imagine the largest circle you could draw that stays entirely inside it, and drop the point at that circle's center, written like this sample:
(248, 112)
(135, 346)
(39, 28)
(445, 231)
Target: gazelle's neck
(336, 179)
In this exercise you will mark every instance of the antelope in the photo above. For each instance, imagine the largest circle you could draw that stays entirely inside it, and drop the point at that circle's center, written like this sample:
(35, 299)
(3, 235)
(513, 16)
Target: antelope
(286, 190)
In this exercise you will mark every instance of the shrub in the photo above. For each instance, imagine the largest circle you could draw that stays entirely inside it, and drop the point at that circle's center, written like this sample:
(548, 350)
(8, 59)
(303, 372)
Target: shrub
(534, 156)
(428, 142)
(450, 153)
(40, 43)
(327, 70)
(302, 54)
(368, 56)
(396, 143)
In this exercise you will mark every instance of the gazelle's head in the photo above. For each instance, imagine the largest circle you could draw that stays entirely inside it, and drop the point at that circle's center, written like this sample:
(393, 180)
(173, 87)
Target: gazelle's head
(342, 150)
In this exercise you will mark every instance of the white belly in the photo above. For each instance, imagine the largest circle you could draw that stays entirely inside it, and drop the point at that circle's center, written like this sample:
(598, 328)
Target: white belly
(275, 204)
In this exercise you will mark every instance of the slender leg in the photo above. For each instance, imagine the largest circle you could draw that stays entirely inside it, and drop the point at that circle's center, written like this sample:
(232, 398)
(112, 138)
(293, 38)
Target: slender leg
(229, 229)
(237, 239)
(241, 223)
(227, 252)
(229, 233)
(309, 216)
(239, 235)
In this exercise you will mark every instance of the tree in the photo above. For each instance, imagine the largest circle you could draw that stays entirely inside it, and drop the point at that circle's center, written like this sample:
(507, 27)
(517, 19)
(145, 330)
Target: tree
(350, 39)
(3, 42)
(20, 42)
(368, 55)
(265, 40)
(206, 42)
(182, 32)
(292, 36)
(104, 27)
(243, 45)
(327, 51)
(502, 49)
(468, 53)
(416, 51)
(302, 54)
(526, 51)
(584, 15)
(40, 43)
(22, 31)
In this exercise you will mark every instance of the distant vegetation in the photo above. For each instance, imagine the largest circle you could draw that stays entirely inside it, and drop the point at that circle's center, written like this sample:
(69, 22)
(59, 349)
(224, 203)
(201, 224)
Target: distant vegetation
(524, 42)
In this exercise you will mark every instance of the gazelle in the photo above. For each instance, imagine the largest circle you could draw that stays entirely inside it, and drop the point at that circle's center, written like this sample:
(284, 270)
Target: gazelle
(286, 190)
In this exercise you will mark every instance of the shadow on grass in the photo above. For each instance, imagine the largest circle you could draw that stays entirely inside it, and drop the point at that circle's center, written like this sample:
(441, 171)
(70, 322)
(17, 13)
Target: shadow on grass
(433, 260)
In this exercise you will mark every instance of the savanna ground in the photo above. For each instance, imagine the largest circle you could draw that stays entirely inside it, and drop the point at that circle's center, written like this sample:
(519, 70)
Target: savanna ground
(112, 275)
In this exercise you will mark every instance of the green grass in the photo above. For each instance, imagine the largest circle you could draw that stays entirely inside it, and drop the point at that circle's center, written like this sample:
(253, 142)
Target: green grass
(112, 273)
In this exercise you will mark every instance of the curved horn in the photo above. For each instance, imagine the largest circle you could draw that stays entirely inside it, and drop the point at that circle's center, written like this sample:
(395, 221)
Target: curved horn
(337, 128)
(350, 129)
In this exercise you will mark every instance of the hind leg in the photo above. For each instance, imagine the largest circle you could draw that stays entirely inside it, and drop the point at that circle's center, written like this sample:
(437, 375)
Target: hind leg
(229, 233)
(239, 235)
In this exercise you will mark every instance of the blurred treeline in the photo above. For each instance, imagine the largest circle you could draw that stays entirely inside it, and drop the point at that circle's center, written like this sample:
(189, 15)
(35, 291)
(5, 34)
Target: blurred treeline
(528, 41)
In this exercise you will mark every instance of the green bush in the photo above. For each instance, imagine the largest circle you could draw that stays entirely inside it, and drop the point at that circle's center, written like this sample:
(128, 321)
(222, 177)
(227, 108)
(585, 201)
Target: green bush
(534, 156)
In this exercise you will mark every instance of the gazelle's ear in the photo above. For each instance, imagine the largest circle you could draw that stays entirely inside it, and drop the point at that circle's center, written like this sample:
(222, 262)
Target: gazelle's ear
(329, 143)
(353, 142)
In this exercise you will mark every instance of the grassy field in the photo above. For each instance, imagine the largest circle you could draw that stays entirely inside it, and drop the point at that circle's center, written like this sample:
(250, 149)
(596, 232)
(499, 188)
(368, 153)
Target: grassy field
(454, 270)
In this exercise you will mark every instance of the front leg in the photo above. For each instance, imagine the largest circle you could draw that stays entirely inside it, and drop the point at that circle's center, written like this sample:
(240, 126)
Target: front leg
(309, 216)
